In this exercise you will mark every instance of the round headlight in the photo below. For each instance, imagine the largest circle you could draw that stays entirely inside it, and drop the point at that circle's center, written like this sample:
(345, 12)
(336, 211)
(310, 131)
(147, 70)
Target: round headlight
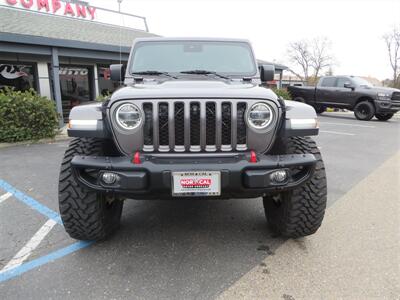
(128, 116)
(260, 116)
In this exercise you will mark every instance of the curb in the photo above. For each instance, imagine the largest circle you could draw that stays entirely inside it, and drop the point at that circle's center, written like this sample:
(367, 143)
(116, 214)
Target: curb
(57, 138)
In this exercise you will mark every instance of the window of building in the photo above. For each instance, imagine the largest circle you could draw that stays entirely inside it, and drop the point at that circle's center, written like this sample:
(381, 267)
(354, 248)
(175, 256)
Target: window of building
(75, 84)
(106, 85)
(20, 76)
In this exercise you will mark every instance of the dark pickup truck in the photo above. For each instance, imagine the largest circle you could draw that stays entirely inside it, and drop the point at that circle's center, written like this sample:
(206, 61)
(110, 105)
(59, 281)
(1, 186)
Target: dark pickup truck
(352, 93)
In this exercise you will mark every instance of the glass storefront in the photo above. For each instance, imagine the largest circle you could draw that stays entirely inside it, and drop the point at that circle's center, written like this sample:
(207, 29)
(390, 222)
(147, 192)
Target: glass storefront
(75, 83)
(106, 85)
(20, 76)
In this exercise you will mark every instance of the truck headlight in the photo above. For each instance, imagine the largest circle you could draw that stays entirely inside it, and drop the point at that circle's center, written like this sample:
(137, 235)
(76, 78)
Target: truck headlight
(128, 116)
(259, 116)
(383, 96)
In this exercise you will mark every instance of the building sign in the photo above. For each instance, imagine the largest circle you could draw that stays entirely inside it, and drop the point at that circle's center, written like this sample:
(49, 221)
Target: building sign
(71, 8)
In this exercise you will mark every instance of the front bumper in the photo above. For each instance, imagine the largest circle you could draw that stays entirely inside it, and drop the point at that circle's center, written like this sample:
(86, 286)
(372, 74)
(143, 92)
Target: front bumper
(152, 178)
(391, 106)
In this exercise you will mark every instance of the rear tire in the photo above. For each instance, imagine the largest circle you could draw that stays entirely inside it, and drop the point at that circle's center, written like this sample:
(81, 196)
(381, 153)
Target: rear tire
(86, 214)
(384, 117)
(319, 109)
(299, 212)
(364, 111)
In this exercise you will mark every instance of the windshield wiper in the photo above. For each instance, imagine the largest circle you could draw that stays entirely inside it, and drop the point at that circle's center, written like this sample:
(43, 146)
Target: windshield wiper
(156, 73)
(204, 72)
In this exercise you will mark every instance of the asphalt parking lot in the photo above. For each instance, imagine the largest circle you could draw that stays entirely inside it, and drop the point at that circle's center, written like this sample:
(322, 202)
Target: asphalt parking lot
(164, 249)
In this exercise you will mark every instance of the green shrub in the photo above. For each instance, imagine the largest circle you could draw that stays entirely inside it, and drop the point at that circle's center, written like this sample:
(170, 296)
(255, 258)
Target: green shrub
(26, 116)
(283, 93)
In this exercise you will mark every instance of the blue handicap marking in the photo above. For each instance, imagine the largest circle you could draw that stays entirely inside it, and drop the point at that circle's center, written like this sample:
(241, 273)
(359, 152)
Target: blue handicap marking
(49, 213)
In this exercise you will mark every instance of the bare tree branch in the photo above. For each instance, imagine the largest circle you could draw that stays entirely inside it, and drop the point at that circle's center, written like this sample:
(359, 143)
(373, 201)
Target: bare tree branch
(392, 41)
(310, 56)
(320, 58)
(299, 54)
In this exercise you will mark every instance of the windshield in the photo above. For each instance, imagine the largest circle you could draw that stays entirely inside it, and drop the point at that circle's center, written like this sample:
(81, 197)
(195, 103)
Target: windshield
(361, 82)
(228, 58)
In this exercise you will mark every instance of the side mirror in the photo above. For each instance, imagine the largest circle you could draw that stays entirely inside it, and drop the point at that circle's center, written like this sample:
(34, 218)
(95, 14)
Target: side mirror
(267, 72)
(117, 72)
(348, 85)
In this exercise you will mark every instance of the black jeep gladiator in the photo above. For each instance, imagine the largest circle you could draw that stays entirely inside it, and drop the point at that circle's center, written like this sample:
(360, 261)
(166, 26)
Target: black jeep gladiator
(350, 92)
(192, 121)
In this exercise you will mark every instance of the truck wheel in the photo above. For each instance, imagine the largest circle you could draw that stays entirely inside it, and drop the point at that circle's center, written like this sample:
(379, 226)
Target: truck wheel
(87, 215)
(384, 117)
(299, 212)
(364, 111)
(319, 109)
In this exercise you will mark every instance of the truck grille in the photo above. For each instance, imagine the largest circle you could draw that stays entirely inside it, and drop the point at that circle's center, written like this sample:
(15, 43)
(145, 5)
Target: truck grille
(194, 126)
(396, 96)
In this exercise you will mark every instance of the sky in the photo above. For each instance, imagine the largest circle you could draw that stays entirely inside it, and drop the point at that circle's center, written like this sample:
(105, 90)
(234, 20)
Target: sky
(354, 27)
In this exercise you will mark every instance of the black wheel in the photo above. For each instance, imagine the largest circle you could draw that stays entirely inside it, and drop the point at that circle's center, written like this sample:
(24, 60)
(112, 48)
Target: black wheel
(384, 117)
(87, 215)
(364, 111)
(299, 212)
(319, 109)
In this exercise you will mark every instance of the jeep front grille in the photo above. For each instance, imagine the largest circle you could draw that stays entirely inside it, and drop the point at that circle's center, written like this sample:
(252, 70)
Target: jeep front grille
(198, 125)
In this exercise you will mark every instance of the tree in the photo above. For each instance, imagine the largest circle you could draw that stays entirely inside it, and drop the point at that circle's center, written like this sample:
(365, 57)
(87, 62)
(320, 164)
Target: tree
(392, 41)
(312, 56)
(321, 57)
(299, 54)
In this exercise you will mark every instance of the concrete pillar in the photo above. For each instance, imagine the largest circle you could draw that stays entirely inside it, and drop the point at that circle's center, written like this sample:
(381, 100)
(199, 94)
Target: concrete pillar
(55, 69)
(44, 80)
(96, 82)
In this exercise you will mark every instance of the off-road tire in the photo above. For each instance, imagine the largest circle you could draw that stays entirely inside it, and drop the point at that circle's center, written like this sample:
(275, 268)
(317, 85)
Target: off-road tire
(86, 214)
(364, 111)
(384, 117)
(298, 212)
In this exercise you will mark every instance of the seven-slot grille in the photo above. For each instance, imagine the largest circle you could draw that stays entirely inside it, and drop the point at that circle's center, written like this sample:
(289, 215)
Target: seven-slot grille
(198, 125)
(396, 100)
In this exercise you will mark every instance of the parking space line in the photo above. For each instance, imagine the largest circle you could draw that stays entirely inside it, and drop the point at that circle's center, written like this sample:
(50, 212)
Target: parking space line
(43, 260)
(30, 246)
(5, 197)
(32, 203)
(54, 218)
(336, 132)
(347, 124)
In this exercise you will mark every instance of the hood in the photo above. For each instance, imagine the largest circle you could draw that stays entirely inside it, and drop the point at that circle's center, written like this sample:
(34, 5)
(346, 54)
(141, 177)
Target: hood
(379, 89)
(153, 89)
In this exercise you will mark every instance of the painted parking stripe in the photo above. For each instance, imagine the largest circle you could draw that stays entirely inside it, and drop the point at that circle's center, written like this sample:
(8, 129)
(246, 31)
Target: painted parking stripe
(54, 217)
(336, 132)
(30, 246)
(32, 203)
(43, 260)
(5, 197)
(347, 124)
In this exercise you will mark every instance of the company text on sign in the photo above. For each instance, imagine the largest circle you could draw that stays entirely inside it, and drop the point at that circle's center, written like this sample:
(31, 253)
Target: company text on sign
(56, 7)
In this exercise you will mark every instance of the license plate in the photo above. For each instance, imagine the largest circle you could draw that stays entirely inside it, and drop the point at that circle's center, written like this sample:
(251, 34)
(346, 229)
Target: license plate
(201, 183)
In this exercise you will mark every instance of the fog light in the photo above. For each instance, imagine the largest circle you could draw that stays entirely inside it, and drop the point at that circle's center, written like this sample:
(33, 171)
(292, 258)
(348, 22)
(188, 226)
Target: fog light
(279, 176)
(109, 178)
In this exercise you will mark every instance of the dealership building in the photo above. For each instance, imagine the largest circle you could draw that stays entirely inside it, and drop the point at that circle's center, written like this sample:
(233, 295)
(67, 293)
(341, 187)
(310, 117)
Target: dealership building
(63, 49)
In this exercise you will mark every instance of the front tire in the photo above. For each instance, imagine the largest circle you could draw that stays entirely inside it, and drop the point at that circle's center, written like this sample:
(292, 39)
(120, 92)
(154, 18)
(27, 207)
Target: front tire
(86, 214)
(364, 111)
(384, 117)
(299, 212)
